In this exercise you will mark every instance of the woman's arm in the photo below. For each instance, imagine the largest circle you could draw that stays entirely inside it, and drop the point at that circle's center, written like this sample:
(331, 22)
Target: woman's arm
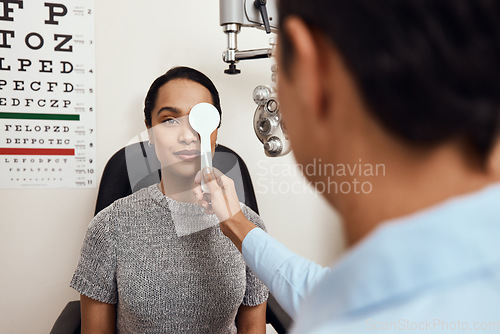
(97, 317)
(251, 319)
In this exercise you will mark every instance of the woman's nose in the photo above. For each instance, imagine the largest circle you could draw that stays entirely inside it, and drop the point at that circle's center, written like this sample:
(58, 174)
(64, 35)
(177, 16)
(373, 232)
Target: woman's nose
(188, 134)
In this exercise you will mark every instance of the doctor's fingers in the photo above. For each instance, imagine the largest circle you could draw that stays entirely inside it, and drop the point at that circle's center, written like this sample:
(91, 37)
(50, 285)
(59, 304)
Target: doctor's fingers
(216, 180)
(223, 181)
(224, 199)
(204, 199)
(197, 191)
(209, 173)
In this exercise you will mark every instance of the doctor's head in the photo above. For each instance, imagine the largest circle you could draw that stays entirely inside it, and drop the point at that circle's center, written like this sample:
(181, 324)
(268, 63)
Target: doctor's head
(363, 78)
(166, 109)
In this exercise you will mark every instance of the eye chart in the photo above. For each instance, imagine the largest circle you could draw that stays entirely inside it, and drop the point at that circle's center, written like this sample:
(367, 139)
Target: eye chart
(47, 94)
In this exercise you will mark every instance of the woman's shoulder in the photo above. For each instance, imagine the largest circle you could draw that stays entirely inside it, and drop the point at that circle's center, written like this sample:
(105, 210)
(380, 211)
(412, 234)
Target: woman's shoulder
(135, 201)
(132, 207)
(252, 216)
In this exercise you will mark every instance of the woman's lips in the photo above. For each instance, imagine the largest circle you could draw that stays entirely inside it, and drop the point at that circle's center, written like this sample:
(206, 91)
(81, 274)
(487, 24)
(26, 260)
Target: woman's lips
(188, 155)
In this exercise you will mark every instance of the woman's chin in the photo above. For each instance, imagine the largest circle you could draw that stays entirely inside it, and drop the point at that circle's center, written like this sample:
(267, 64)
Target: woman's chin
(186, 171)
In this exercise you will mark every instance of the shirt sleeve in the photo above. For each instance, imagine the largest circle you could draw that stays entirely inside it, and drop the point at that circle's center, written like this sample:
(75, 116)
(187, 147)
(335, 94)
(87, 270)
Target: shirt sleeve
(95, 275)
(256, 292)
(288, 276)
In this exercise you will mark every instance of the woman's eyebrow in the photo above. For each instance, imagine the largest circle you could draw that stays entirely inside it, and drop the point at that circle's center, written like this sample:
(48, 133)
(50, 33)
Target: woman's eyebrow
(170, 109)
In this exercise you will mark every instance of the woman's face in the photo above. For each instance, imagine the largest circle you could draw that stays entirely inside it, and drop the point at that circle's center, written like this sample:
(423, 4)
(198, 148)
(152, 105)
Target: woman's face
(177, 145)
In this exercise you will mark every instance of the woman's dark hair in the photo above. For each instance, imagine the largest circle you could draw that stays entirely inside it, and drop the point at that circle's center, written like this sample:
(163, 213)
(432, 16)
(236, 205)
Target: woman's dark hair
(179, 73)
(429, 70)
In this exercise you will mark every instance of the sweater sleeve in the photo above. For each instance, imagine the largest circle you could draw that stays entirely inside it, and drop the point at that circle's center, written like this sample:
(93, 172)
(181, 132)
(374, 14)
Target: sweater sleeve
(95, 275)
(256, 292)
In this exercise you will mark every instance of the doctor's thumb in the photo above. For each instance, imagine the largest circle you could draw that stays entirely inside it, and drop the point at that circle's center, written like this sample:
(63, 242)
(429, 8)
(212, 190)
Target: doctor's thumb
(206, 174)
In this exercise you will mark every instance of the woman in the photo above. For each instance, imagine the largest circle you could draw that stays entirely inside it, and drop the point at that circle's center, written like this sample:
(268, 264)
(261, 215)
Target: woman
(136, 274)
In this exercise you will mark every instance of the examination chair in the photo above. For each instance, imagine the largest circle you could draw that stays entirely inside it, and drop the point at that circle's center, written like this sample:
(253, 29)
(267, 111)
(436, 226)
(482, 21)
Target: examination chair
(135, 167)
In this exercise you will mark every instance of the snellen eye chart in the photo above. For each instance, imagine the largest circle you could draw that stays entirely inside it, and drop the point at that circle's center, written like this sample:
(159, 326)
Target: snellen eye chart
(47, 94)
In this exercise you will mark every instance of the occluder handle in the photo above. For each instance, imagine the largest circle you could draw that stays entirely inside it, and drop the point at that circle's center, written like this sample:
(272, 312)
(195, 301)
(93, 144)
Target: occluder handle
(206, 158)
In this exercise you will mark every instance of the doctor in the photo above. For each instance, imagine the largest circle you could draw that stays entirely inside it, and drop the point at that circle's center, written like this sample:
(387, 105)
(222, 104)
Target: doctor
(412, 84)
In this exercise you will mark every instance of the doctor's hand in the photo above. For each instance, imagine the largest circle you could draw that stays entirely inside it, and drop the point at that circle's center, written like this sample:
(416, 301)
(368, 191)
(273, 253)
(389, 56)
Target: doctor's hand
(222, 199)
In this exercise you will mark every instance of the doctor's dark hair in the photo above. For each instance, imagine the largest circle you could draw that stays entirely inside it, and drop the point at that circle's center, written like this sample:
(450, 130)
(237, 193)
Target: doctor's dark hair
(428, 70)
(180, 72)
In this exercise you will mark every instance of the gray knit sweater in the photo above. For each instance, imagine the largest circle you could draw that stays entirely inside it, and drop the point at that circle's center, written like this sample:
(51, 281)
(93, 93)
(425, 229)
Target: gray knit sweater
(163, 283)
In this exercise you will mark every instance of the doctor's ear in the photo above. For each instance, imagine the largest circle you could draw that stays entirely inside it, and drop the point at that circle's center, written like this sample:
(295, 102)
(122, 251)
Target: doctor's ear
(303, 63)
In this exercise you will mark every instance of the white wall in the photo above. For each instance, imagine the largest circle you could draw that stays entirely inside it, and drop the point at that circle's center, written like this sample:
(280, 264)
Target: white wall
(41, 230)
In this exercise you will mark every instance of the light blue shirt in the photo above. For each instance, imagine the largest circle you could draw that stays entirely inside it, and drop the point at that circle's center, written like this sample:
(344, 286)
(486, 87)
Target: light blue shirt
(436, 271)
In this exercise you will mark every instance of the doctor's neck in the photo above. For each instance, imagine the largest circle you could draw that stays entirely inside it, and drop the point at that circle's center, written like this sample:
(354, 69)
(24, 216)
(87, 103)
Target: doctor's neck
(414, 179)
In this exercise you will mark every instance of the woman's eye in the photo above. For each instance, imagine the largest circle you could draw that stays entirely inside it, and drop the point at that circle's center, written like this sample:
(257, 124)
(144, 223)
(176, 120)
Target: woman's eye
(171, 121)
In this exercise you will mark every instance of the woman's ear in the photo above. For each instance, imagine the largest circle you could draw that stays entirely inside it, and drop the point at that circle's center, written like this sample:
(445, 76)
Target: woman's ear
(214, 136)
(150, 133)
